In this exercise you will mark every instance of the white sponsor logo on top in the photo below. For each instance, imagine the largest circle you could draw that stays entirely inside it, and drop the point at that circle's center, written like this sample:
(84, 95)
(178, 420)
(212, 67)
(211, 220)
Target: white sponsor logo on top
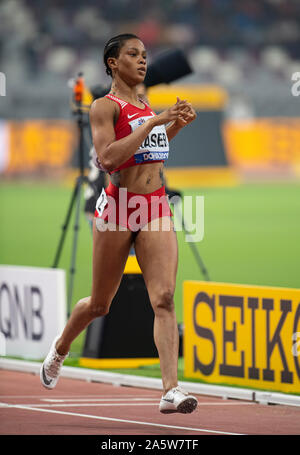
(2, 84)
(2, 344)
(296, 345)
(296, 86)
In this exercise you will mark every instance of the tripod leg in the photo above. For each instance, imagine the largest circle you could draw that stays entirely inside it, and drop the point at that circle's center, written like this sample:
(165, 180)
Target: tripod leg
(74, 247)
(199, 260)
(195, 252)
(65, 226)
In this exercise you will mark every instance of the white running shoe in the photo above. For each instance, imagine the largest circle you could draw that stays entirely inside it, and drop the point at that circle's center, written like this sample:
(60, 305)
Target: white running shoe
(177, 400)
(50, 369)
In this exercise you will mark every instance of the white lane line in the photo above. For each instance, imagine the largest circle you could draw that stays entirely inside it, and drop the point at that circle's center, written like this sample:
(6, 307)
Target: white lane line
(156, 403)
(109, 402)
(135, 422)
(75, 405)
(86, 400)
(75, 397)
(4, 405)
(87, 405)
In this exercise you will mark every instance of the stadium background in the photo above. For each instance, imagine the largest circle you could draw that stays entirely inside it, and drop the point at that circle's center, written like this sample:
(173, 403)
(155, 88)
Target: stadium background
(246, 51)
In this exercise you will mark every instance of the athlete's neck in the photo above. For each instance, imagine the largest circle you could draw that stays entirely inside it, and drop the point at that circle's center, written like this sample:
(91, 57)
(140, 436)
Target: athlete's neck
(120, 89)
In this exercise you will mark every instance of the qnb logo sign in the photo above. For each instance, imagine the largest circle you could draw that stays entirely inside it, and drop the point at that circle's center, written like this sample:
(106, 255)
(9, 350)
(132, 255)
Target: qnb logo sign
(21, 306)
(296, 86)
(2, 84)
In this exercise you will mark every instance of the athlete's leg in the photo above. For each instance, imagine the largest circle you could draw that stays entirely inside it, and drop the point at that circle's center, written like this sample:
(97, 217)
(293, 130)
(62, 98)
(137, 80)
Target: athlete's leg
(157, 254)
(110, 252)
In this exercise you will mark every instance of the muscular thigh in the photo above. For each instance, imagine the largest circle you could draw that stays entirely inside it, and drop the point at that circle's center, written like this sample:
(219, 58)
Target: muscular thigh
(157, 254)
(110, 252)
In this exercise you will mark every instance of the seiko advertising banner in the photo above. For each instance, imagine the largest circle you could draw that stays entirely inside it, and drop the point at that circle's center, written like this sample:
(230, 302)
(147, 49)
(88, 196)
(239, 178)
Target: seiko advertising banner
(242, 335)
(32, 310)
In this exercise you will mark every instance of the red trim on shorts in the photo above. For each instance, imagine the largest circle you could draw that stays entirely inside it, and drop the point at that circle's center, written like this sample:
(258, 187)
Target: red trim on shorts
(152, 206)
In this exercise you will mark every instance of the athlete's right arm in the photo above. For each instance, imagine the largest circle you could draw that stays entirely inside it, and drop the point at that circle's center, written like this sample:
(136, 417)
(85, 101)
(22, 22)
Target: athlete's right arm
(112, 153)
(102, 127)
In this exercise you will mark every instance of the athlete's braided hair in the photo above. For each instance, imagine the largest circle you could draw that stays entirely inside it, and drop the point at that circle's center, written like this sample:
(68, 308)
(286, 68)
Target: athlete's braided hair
(113, 46)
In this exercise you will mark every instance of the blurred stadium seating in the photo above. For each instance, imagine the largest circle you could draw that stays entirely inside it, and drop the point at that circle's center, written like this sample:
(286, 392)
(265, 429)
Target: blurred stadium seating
(249, 47)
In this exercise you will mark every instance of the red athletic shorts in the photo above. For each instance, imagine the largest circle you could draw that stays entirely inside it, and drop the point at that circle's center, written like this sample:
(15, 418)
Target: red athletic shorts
(131, 210)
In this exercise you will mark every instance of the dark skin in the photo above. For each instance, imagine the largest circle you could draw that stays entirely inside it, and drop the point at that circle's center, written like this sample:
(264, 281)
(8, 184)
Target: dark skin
(156, 249)
(116, 176)
(150, 171)
(129, 71)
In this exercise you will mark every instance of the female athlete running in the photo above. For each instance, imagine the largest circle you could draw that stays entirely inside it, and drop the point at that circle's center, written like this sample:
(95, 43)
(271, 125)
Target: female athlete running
(131, 143)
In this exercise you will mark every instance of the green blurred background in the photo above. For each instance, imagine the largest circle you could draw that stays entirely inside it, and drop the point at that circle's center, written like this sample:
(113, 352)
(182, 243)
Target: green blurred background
(251, 235)
(244, 58)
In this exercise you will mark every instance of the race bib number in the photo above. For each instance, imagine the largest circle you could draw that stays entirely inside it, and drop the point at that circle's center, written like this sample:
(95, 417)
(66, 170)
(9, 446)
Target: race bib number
(156, 144)
(101, 202)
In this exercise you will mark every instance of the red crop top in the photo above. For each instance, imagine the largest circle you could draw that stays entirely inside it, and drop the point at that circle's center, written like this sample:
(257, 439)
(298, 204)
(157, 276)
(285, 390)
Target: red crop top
(155, 148)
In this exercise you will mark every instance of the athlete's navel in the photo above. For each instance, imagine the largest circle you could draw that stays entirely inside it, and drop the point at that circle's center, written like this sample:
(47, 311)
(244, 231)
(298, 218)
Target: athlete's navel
(161, 175)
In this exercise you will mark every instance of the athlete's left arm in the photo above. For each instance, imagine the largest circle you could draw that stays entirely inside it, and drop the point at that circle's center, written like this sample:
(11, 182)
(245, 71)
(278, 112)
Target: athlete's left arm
(187, 116)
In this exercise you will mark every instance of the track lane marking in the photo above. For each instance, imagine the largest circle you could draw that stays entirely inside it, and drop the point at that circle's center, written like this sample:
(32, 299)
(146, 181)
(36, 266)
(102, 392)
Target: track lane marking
(88, 404)
(135, 422)
(109, 403)
(75, 405)
(77, 396)
(77, 400)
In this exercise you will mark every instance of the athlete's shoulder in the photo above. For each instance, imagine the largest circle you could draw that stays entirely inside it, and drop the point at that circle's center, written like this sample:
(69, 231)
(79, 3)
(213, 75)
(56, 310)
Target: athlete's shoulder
(101, 109)
(116, 100)
(102, 103)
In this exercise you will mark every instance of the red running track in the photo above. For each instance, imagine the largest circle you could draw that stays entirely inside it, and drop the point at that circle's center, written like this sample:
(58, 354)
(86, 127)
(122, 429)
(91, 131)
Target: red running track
(78, 407)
